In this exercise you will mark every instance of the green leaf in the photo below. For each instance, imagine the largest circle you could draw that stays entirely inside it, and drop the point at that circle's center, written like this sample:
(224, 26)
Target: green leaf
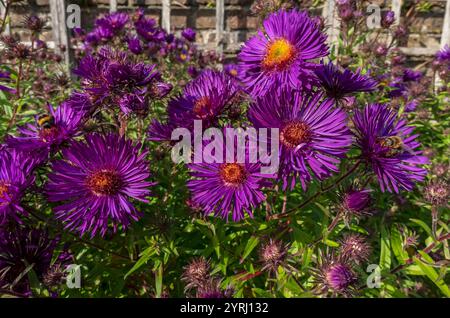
(385, 253)
(423, 225)
(251, 244)
(158, 280)
(145, 256)
(397, 246)
(431, 273)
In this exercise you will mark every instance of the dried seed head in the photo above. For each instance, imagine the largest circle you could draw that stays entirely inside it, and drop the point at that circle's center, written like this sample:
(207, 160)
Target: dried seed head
(34, 23)
(355, 248)
(196, 273)
(334, 275)
(273, 254)
(437, 193)
(211, 289)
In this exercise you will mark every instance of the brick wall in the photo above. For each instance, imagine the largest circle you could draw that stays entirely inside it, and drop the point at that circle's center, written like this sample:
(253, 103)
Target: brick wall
(200, 14)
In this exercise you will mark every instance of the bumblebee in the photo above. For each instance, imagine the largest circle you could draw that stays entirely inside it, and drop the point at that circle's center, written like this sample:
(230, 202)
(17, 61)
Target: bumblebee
(46, 121)
(394, 145)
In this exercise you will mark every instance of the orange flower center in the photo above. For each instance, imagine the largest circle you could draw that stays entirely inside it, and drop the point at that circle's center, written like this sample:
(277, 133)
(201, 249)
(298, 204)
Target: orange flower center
(233, 173)
(3, 189)
(233, 72)
(49, 133)
(279, 54)
(294, 134)
(104, 182)
(202, 107)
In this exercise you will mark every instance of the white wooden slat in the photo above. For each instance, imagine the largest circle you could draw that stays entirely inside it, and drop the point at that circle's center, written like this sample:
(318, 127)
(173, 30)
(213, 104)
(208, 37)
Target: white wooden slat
(445, 37)
(60, 31)
(397, 9)
(220, 23)
(331, 20)
(7, 29)
(165, 15)
(112, 5)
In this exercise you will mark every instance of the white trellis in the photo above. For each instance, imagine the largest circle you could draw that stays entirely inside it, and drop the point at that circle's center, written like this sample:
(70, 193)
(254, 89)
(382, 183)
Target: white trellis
(445, 37)
(397, 9)
(7, 26)
(112, 5)
(329, 13)
(220, 20)
(165, 15)
(61, 34)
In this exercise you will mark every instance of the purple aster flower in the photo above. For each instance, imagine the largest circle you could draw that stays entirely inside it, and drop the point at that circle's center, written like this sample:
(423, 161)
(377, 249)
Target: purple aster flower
(411, 75)
(134, 45)
(111, 24)
(346, 12)
(205, 98)
(7, 77)
(389, 148)
(335, 275)
(411, 105)
(192, 71)
(19, 248)
(355, 203)
(146, 28)
(231, 69)
(109, 76)
(388, 19)
(338, 83)
(161, 89)
(134, 103)
(158, 131)
(49, 131)
(228, 188)
(444, 53)
(15, 177)
(188, 34)
(80, 102)
(279, 54)
(397, 88)
(95, 183)
(313, 134)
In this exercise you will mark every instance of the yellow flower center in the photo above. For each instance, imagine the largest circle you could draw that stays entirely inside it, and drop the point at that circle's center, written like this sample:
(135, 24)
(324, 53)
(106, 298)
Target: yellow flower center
(4, 188)
(202, 107)
(279, 54)
(49, 133)
(233, 72)
(104, 182)
(233, 173)
(294, 134)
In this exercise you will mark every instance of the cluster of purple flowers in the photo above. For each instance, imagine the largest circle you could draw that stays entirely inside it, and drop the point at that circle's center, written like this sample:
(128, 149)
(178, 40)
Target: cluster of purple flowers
(441, 63)
(97, 178)
(141, 36)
